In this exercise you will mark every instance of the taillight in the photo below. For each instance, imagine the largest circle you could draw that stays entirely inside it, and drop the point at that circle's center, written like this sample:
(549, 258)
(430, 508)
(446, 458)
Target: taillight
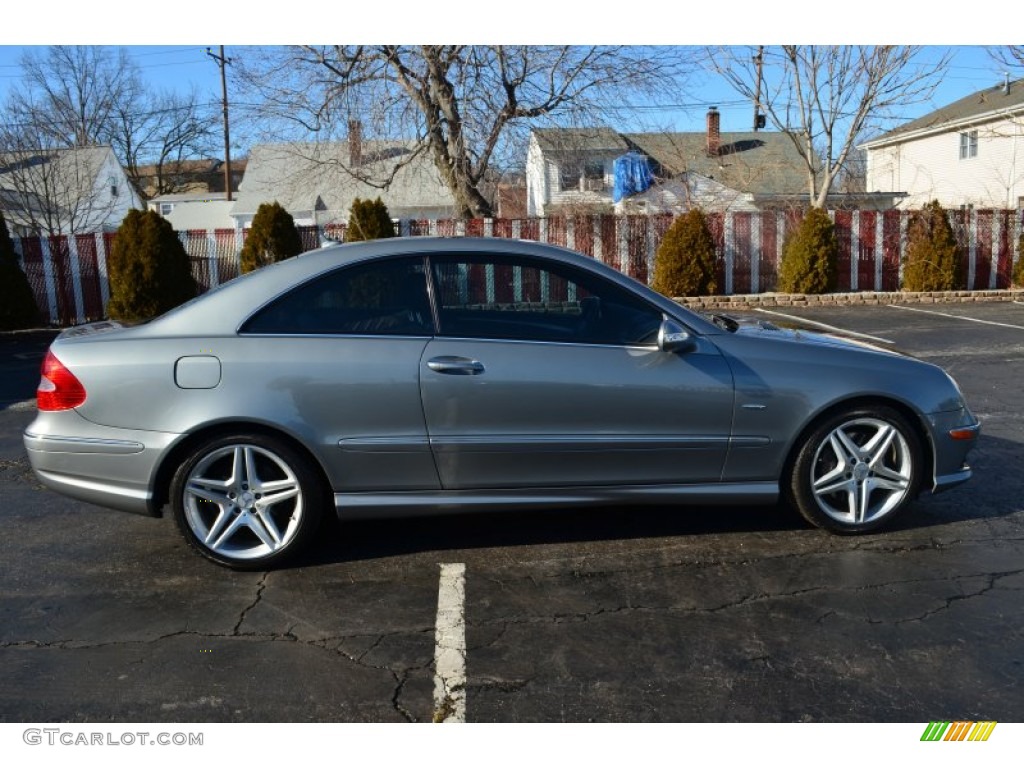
(59, 389)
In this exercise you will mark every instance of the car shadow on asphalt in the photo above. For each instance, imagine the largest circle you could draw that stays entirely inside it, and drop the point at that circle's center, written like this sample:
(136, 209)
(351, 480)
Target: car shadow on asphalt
(371, 539)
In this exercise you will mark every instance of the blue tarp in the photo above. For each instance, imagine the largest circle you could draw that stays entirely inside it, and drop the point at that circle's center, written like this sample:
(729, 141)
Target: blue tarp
(632, 175)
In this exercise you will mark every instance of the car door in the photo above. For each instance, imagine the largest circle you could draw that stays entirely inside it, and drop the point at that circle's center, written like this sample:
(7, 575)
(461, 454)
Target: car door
(339, 357)
(546, 374)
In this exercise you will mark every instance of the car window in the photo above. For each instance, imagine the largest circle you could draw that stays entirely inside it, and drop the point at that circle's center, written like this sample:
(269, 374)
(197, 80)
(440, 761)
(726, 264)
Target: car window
(503, 296)
(383, 297)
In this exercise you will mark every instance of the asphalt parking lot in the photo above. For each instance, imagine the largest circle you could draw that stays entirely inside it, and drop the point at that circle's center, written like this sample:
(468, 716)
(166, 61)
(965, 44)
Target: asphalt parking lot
(654, 614)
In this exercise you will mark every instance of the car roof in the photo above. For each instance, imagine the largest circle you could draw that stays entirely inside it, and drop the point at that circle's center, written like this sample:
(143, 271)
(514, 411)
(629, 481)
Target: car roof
(221, 311)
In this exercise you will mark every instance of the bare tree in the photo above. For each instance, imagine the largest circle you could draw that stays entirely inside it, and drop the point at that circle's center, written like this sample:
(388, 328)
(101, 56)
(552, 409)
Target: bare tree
(164, 130)
(827, 97)
(71, 94)
(80, 96)
(460, 105)
(1011, 56)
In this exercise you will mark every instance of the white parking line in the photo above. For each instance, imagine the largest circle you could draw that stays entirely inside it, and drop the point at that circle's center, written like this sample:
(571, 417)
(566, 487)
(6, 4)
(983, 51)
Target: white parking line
(957, 317)
(450, 646)
(826, 327)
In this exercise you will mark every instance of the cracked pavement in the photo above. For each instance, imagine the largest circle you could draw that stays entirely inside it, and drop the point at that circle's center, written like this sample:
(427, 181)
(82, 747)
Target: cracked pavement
(652, 614)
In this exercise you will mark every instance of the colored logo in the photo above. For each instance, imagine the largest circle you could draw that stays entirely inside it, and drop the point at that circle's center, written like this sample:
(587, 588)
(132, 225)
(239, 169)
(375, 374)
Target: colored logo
(959, 731)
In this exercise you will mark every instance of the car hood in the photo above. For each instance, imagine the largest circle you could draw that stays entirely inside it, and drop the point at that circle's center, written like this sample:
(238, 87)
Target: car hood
(796, 332)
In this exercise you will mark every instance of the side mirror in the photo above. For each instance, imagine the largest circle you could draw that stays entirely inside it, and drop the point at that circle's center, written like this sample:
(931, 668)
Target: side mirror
(672, 337)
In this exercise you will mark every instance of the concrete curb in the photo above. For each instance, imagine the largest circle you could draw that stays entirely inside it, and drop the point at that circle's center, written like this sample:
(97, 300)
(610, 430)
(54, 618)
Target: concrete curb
(863, 298)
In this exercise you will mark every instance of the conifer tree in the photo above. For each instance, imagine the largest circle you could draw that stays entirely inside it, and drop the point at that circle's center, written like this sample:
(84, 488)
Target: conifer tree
(272, 237)
(17, 303)
(686, 263)
(149, 270)
(810, 256)
(368, 220)
(932, 260)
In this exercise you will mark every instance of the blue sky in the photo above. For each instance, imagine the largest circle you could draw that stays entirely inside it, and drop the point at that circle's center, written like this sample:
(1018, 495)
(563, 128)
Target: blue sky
(179, 67)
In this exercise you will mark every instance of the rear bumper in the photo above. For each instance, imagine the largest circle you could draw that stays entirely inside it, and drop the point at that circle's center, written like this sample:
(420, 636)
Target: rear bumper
(101, 465)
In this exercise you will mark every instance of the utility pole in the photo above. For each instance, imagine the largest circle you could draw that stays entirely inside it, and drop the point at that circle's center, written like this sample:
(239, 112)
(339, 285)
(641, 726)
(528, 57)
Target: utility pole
(759, 120)
(223, 62)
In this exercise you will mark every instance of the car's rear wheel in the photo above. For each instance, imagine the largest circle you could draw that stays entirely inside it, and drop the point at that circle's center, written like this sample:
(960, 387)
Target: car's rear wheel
(247, 501)
(857, 470)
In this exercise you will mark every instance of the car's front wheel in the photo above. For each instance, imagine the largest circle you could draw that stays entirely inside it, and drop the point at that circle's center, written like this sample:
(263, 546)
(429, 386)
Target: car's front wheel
(247, 501)
(857, 470)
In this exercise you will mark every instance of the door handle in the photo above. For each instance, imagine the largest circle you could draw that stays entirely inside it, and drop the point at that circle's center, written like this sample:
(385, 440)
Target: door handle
(455, 366)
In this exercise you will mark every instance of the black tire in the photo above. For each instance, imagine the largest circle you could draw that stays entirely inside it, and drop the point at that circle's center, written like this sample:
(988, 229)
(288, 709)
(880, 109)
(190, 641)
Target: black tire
(247, 501)
(857, 470)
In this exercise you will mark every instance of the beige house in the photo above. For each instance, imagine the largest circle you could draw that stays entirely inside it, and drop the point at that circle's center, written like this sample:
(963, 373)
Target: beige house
(967, 154)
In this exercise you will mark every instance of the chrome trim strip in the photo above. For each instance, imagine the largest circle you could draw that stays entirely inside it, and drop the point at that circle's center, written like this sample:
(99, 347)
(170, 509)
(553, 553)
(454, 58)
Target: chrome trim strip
(490, 340)
(394, 444)
(523, 443)
(527, 443)
(63, 444)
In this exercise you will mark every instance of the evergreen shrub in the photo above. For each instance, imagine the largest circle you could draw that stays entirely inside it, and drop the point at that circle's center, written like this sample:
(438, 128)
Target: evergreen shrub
(686, 263)
(17, 303)
(932, 261)
(271, 238)
(810, 256)
(368, 220)
(149, 270)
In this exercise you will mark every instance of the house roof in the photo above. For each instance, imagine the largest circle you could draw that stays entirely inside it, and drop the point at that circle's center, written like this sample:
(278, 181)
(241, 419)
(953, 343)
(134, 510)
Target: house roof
(580, 139)
(980, 106)
(77, 168)
(308, 177)
(761, 163)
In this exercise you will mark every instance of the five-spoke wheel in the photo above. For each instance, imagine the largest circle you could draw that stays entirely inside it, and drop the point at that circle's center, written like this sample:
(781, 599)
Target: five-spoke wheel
(247, 501)
(856, 470)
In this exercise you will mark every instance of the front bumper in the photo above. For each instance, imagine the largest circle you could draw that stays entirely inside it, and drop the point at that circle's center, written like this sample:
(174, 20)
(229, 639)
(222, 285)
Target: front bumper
(954, 434)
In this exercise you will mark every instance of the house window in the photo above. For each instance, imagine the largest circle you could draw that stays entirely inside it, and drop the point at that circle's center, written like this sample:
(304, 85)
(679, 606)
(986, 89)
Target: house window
(587, 175)
(569, 176)
(968, 144)
(166, 208)
(593, 176)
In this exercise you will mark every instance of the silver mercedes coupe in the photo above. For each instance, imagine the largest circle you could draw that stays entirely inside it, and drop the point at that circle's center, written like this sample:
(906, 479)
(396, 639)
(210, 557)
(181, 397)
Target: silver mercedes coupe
(423, 375)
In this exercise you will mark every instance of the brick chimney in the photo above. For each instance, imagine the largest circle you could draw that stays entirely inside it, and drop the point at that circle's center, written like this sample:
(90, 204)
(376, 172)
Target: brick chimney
(355, 143)
(714, 133)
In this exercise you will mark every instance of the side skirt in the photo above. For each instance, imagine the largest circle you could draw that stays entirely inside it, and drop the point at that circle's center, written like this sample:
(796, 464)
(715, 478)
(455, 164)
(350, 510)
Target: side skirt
(356, 506)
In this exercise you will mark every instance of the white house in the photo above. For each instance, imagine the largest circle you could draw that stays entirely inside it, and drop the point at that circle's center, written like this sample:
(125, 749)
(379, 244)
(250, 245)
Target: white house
(317, 183)
(195, 210)
(572, 170)
(969, 153)
(65, 191)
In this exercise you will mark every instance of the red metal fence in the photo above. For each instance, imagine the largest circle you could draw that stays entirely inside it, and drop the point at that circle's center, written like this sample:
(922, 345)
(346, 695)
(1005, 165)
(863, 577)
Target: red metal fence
(69, 274)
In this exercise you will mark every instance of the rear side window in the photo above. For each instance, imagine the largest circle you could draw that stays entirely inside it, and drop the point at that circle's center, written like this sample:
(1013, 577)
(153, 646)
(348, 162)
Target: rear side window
(380, 298)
